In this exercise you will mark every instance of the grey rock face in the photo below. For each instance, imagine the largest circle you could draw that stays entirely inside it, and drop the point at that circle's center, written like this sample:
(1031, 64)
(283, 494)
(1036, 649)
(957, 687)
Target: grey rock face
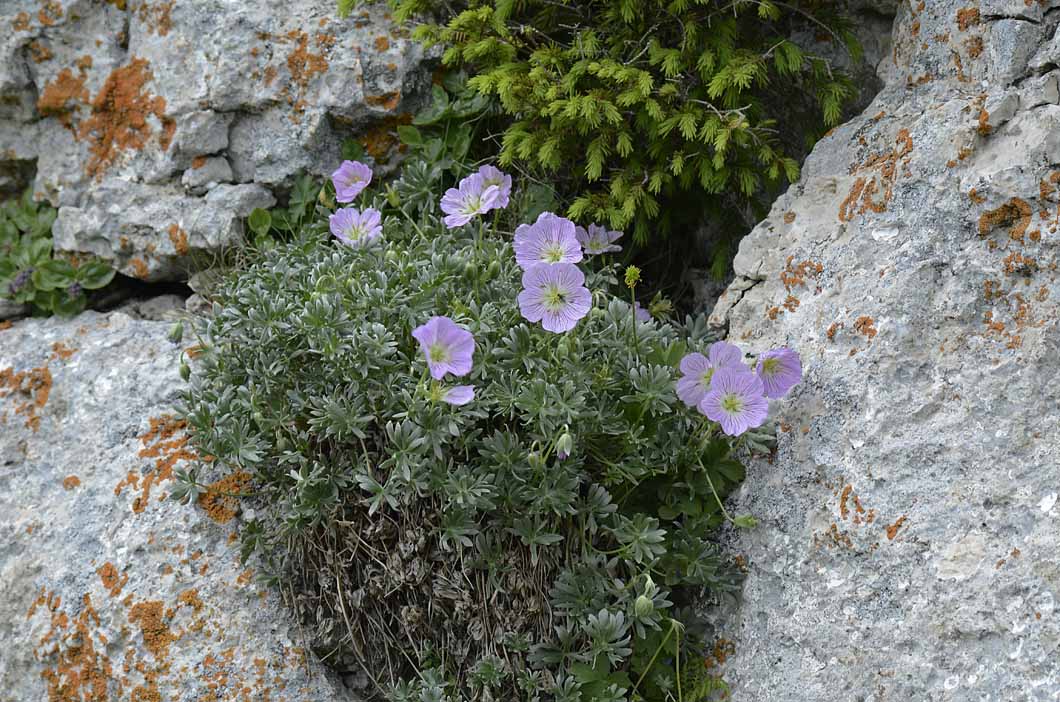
(111, 591)
(909, 544)
(168, 100)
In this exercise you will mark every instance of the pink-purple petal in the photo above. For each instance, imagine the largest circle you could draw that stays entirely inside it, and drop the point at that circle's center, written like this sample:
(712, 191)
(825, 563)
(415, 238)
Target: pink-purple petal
(459, 395)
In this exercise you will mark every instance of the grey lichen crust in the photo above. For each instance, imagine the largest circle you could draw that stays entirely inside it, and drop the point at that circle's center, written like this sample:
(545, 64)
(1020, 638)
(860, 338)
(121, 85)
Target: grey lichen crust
(141, 117)
(111, 591)
(909, 545)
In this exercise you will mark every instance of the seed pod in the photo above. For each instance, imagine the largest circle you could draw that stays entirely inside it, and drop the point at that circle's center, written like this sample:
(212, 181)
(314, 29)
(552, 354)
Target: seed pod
(643, 607)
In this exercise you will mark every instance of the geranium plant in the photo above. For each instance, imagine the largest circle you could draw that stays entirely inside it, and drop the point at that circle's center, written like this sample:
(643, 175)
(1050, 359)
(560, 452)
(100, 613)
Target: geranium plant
(476, 466)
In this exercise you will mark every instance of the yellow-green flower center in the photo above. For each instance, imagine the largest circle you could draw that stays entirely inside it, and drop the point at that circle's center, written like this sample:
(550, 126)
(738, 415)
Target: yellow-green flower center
(554, 297)
(438, 353)
(707, 375)
(771, 366)
(553, 253)
(732, 403)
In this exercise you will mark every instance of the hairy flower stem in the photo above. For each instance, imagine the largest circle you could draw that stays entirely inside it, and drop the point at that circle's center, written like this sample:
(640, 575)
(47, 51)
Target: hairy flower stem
(633, 314)
(716, 496)
(658, 650)
(478, 255)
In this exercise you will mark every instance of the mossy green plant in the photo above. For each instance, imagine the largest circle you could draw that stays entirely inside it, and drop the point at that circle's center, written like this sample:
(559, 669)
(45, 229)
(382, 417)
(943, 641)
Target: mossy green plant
(31, 274)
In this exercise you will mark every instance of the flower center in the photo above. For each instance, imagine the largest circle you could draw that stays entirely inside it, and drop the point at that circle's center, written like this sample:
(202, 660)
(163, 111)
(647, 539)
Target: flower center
(707, 376)
(553, 253)
(771, 366)
(554, 298)
(438, 353)
(732, 403)
(472, 205)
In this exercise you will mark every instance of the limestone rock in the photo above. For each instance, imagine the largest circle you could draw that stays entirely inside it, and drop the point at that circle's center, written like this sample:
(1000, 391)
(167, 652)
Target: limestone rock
(909, 542)
(112, 591)
(120, 221)
(131, 98)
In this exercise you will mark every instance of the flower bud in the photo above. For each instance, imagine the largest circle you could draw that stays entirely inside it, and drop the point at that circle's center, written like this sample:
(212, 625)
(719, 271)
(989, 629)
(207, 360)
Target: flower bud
(391, 257)
(392, 197)
(176, 332)
(643, 607)
(185, 371)
(493, 270)
(564, 446)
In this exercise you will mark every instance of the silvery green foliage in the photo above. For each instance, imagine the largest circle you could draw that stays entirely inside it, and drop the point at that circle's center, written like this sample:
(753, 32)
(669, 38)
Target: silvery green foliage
(448, 551)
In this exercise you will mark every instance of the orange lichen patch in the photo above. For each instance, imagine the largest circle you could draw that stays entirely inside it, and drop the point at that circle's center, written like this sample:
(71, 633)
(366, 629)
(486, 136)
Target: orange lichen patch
(70, 482)
(884, 167)
(892, 529)
(156, 17)
(179, 239)
(198, 162)
(6, 324)
(983, 126)
(21, 22)
(40, 52)
(61, 351)
(140, 269)
(791, 303)
(1017, 264)
(976, 197)
(78, 673)
(112, 581)
(150, 616)
(795, 276)
(382, 138)
(772, 312)
(1014, 214)
(864, 326)
(50, 13)
(843, 509)
(388, 101)
(166, 442)
(190, 598)
(974, 46)
(33, 386)
(220, 501)
(303, 64)
(832, 329)
(967, 17)
(84, 63)
(382, 43)
(119, 120)
(57, 96)
(719, 653)
(269, 75)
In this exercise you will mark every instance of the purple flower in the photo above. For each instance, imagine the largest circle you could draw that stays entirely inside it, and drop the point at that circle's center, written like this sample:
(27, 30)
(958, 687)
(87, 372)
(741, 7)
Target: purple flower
(448, 347)
(503, 181)
(780, 371)
(735, 400)
(458, 395)
(355, 227)
(550, 239)
(641, 314)
(698, 370)
(473, 197)
(597, 240)
(554, 294)
(350, 179)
